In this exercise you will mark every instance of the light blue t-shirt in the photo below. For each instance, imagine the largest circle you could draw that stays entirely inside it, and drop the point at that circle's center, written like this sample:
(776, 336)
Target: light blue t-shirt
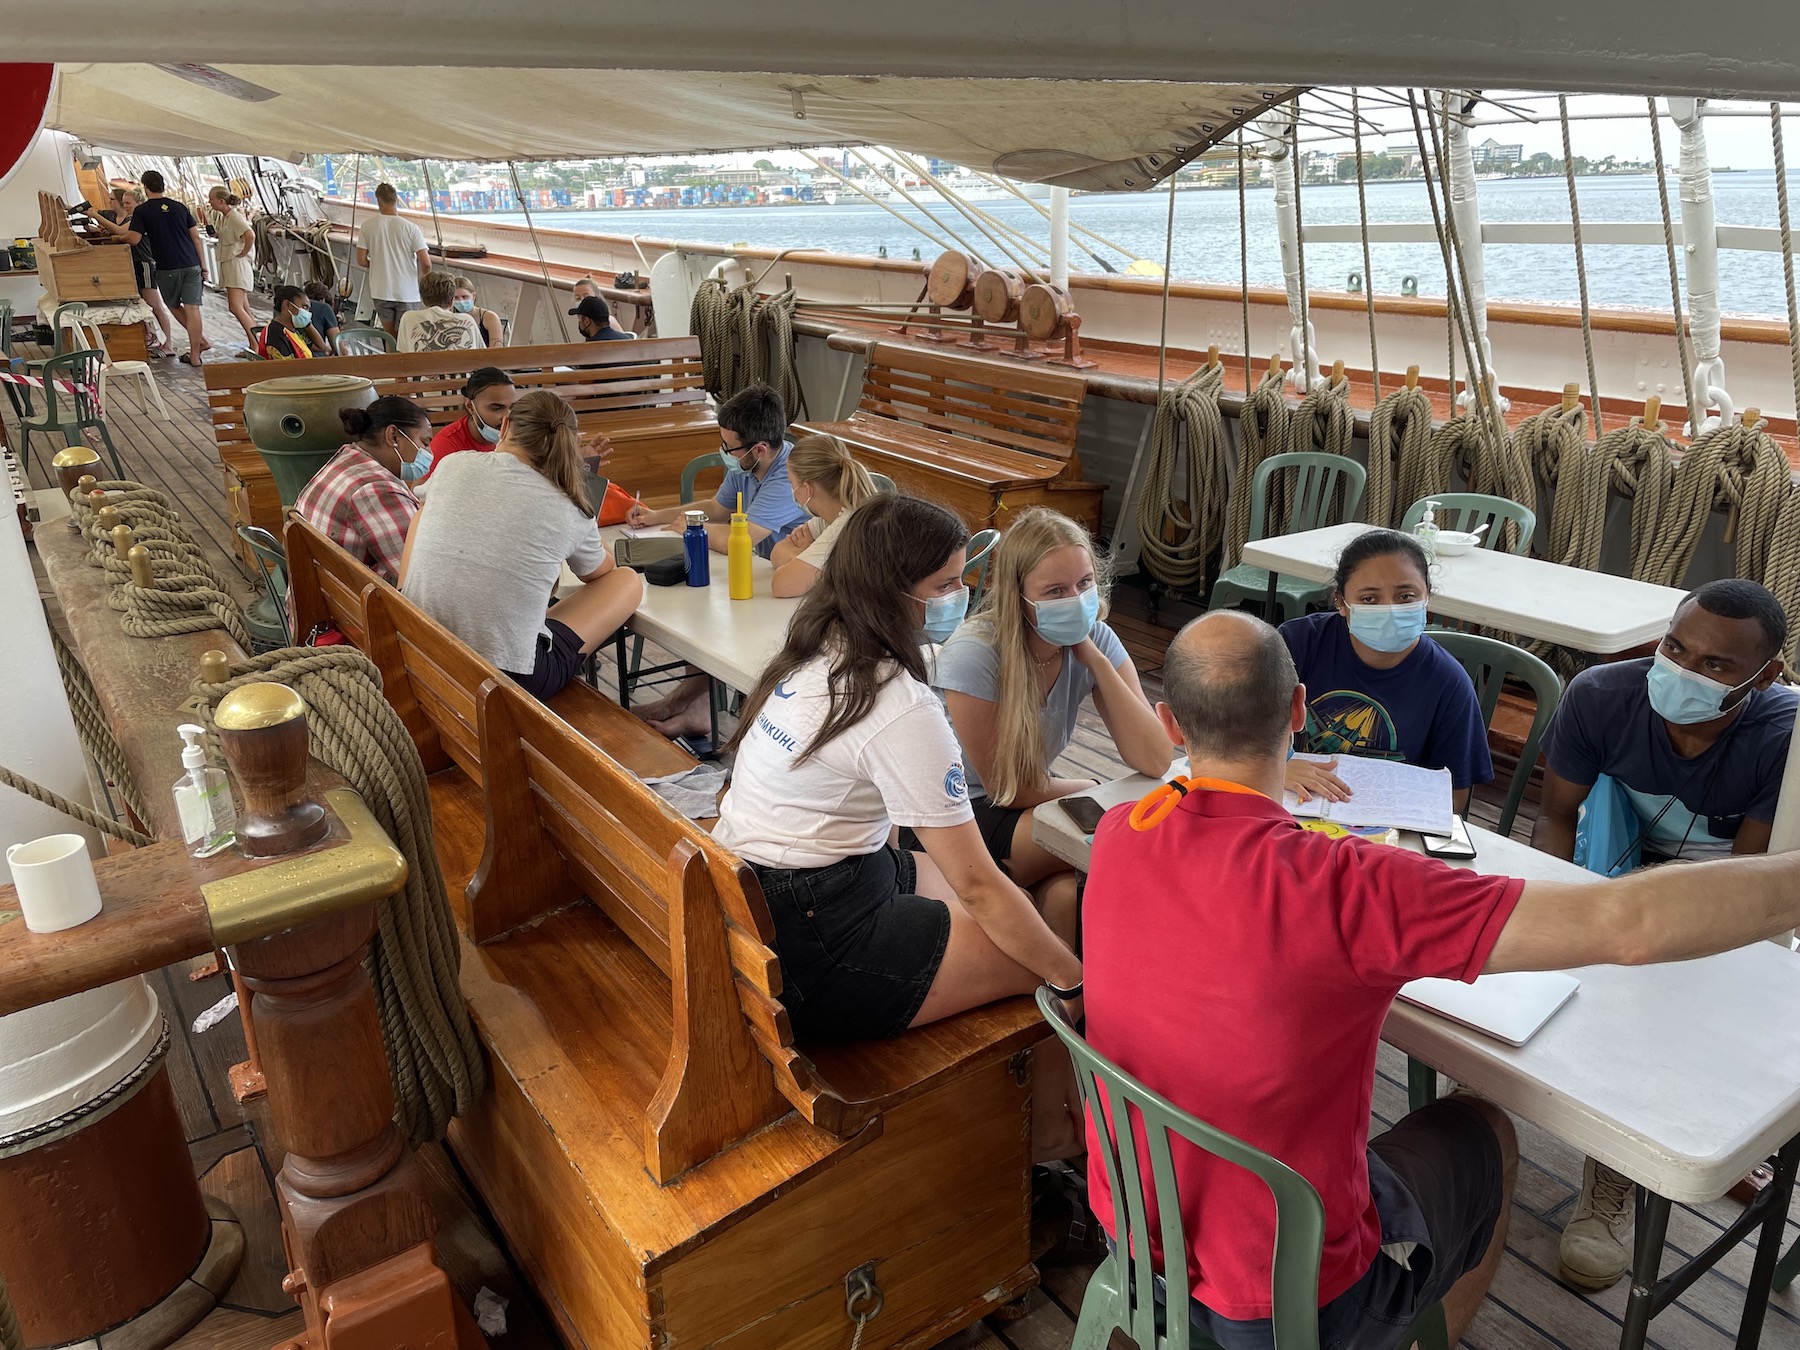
(968, 664)
(768, 501)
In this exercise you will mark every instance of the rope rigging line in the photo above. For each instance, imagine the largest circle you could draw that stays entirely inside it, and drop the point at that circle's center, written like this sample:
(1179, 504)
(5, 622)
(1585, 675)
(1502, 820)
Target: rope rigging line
(1437, 222)
(1681, 341)
(745, 339)
(1587, 328)
(1162, 336)
(1787, 247)
(938, 242)
(1262, 431)
(1399, 455)
(961, 243)
(433, 1054)
(53, 799)
(91, 726)
(1244, 261)
(1554, 445)
(1739, 468)
(1187, 437)
(1362, 215)
(1783, 575)
(996, 230)
(1304, 360)
(556, 308)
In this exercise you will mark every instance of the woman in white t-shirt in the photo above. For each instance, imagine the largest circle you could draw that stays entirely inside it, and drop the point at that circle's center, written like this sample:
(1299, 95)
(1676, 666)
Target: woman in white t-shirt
(841, 741)
(1013, 680)
(486, 550)
(829, 484)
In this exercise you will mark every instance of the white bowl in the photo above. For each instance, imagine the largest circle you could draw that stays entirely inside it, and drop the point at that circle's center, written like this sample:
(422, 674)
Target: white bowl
(1455, 543)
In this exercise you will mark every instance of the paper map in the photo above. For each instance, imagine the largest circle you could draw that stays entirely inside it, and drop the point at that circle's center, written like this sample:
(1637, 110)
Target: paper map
(1383, 792)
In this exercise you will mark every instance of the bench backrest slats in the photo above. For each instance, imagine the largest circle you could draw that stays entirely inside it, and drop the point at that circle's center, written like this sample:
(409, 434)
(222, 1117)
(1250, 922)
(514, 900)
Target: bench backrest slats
(1019, 408)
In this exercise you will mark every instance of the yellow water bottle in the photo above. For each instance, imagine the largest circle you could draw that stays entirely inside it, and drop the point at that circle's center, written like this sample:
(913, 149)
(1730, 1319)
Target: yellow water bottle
(738, 553)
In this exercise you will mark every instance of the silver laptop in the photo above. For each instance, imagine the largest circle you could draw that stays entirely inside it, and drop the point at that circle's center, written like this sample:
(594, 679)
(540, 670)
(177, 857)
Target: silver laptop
(1509, 1007)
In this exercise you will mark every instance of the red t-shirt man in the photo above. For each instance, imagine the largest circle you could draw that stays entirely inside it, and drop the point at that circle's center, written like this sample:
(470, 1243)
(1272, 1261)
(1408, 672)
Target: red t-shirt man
(452, 440)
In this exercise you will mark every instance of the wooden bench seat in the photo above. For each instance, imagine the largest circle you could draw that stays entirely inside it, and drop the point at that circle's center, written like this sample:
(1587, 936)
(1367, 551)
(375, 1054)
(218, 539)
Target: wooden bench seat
(647, 396)
(654, 1132)
(986, 438)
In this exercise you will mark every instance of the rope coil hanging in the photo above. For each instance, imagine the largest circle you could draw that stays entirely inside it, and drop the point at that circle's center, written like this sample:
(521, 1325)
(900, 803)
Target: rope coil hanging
(1740, 469)
(1634, 462)
(1399, 454)
(1177, 534)
(1262, 431)
(1783, 577)
(433, 1054)
(746, 338)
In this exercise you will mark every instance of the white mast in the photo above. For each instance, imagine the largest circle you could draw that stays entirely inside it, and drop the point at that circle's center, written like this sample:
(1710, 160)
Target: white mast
(1465, 205)
(1276, 127)
(1059, 237)
(1701, 244)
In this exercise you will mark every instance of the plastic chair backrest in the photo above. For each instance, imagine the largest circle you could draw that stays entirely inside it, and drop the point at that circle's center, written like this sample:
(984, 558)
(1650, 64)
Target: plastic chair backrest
(1470, 510)
(1489, 661)
(1111, 1094)
(981, 553)
(271, 561)
(70, 316)
(365, 341)
(6, 322)
(80, 370)
(882, 482)
(691, 471)
(1311, 498)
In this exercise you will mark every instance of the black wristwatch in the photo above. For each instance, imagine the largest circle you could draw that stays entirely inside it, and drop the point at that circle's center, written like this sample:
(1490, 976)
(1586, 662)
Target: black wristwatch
(1064, 994)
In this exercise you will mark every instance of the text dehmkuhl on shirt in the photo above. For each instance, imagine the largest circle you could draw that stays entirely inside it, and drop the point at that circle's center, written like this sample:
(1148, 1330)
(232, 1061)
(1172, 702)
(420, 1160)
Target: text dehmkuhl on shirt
(1242, 967)
(900, 765)
(488, 549)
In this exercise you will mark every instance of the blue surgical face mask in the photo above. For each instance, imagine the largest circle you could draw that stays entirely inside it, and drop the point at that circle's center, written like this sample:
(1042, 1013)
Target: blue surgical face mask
(943, 614)
(729, 458)
(412, 470)
(1387, 628)
(1068, 619)
(463, 306)
(303, 319)
(489, 434)
(1684, 698)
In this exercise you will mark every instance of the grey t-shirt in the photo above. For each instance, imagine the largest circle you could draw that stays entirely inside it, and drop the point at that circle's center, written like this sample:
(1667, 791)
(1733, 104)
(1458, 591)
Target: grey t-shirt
(491, 541)
(968, 664)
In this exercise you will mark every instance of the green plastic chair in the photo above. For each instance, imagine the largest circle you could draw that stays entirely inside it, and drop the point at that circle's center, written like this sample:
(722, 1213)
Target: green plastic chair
(16, 395)
(1318, 479)
(70, 411)
(1471, 510)
(1489, 661)
(882, 482)
(690, 473)
(267, 615)
(981, 554)
(361, 340)
(1121, 1293)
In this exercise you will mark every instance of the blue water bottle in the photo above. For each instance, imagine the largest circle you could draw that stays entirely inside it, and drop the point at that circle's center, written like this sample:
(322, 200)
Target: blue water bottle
(698, 549)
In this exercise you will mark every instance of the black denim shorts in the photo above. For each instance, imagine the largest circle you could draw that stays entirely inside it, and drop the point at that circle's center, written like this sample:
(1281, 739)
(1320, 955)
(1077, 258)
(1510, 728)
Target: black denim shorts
(858, 949)
(996, 824)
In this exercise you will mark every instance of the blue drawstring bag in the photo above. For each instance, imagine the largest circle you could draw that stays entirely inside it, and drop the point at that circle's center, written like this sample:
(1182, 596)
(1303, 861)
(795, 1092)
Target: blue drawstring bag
(1609, 836)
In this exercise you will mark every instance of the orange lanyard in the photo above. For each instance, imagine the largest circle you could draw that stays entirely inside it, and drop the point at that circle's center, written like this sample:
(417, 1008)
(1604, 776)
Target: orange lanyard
(1154, 808)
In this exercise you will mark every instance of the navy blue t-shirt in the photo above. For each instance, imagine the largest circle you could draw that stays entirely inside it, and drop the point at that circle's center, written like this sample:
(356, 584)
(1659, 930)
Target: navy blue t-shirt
(1605, 725)
(1423, 711)
(164, 223)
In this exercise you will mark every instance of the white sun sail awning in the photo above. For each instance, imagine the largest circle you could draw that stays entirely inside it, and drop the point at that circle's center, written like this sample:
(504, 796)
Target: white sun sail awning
(1120, 135)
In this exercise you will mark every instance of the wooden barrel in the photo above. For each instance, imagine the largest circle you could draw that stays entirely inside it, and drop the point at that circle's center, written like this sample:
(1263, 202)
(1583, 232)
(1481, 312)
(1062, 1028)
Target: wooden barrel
(951, 283)
(293, 422)
(1043, 310)
(997, 293)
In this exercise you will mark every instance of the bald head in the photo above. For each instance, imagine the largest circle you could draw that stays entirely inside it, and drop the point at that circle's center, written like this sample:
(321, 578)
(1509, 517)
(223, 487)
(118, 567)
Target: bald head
(1229, 681)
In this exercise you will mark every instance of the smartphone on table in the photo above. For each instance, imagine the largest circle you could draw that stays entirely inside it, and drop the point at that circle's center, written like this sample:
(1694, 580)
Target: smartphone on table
(1084, 811)
(1455, 846)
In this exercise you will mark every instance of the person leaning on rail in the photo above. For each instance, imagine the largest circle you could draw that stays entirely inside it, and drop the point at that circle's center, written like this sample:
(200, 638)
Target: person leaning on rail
(1243, 966)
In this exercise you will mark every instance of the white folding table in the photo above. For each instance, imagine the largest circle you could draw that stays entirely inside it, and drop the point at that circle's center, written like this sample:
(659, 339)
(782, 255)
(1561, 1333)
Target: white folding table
(1680, 1076)
(1589, 611)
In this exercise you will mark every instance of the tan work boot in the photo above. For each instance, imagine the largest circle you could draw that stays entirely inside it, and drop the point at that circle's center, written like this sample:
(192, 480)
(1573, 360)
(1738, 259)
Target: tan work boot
(1597, 1244)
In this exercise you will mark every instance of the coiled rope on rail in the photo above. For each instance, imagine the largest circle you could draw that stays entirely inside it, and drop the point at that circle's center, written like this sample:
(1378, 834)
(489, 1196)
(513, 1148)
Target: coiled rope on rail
(746, 338)
(190, 594)
(710, 318)
(1634, 462)
(1399, 453)
(433, 1054)
(1554, 442)
(1740, 469)
(74, 810)
(1783, 576)
(1177, 534)
(1262, 431)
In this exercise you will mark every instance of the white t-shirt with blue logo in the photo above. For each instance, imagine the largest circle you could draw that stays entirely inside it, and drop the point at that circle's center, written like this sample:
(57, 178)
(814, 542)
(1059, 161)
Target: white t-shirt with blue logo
(900, 765)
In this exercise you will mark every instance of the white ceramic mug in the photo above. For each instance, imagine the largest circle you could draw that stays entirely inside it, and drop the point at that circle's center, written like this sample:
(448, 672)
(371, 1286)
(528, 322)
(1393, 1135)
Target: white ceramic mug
(55, 880)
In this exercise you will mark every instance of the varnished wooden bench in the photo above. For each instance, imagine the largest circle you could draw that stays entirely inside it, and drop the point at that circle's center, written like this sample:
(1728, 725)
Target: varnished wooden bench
(668, 1165)
(648, 396)
(666, 1162)
(985, 438)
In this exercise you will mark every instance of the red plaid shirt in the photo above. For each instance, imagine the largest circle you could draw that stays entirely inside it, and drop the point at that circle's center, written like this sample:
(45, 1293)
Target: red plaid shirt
(361, 507)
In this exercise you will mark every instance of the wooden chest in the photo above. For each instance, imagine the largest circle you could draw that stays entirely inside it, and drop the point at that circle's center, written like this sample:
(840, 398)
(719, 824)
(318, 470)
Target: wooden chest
(91, 274)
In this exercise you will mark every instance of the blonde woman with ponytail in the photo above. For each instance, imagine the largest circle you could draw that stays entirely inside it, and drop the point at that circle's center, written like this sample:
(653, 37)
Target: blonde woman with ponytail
(485, 552)
(829, 484)
(1014, 677)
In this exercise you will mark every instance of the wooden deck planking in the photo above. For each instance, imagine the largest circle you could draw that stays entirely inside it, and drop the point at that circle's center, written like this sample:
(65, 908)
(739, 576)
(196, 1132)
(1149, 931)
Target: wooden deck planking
(1529, 1310)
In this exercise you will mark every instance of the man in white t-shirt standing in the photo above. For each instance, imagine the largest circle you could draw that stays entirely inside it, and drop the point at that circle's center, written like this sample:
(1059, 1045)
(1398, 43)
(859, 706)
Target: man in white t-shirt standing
(393, 252)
